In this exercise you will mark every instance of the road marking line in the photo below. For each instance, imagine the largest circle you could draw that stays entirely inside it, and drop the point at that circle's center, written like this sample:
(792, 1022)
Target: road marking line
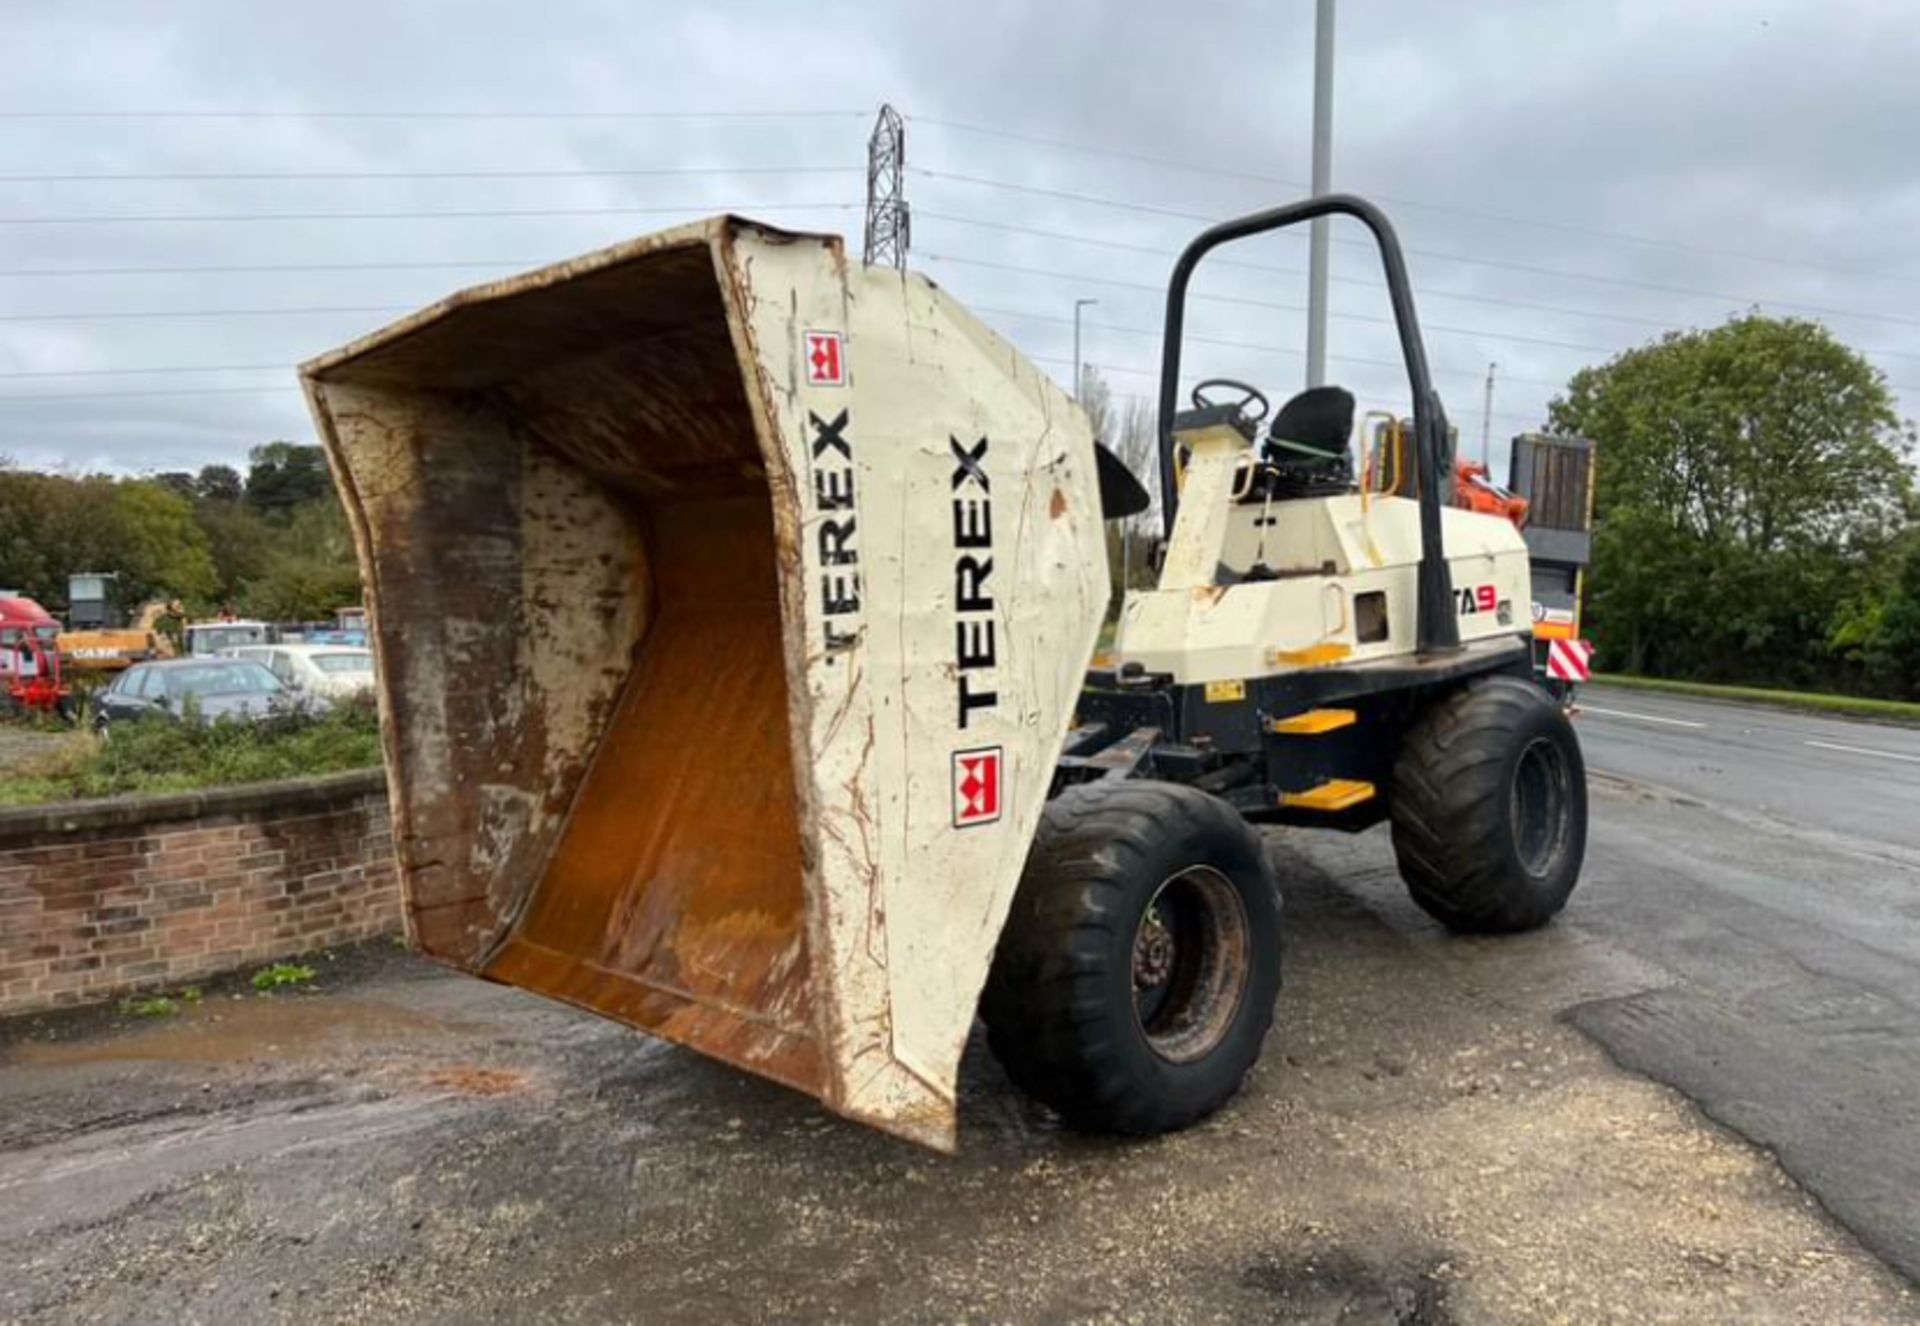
(1864, 750)
(1586, 708)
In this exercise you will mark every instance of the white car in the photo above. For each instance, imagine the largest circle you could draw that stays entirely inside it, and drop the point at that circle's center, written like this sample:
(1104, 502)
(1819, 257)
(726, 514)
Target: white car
(334, 672)
(207, 639)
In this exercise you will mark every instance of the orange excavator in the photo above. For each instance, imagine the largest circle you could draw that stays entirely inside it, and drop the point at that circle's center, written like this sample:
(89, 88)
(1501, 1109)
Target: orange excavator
(1475, 490)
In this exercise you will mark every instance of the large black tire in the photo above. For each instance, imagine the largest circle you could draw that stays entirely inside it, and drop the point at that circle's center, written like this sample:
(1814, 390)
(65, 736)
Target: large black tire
(1136, 976)
(1489, 807)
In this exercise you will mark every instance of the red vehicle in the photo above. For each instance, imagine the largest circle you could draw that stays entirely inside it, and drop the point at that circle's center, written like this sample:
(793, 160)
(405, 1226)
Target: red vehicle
(30, 676)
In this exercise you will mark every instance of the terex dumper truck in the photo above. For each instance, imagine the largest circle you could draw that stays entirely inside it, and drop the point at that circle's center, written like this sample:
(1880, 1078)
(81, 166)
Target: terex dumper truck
(734, 606)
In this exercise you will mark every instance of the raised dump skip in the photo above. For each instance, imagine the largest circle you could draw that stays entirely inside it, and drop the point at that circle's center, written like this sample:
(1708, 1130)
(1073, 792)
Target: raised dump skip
(731, 605)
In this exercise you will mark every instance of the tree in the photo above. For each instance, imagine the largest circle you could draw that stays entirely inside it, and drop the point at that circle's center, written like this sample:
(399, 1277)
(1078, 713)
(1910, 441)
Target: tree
(219, 483)
(1749, 478)
(159, 550)
(285, 475)
(1134, 442)
(209, 549)
(28, 505)
(312, 569)
(53, 525)
(1889, 644)
(240, 543)
(1127, 430)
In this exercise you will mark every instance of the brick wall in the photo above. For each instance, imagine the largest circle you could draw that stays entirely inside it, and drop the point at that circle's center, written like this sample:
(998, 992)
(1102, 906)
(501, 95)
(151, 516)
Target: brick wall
(99, 899)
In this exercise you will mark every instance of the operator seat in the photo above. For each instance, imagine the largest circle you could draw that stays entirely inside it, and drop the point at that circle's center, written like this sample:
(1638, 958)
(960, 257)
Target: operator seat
(1319, 418)
(1306, 453)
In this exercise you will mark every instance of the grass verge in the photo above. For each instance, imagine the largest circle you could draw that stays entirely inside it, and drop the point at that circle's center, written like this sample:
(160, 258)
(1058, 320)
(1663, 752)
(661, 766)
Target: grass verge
(1846, 706)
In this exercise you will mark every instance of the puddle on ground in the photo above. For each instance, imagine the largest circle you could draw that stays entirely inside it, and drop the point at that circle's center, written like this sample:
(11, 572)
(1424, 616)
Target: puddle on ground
(233, 1030)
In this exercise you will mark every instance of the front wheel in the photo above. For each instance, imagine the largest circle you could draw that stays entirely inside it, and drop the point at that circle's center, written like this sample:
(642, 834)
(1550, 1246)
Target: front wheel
(1136, 976)
(1489, 808)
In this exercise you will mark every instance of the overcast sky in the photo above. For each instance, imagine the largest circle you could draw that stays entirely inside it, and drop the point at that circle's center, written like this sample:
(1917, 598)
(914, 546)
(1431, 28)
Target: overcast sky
(1570, 177)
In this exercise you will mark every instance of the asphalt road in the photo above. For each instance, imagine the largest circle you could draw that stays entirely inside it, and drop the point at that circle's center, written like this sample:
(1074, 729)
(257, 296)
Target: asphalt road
(1852, 778)
(1773, 868)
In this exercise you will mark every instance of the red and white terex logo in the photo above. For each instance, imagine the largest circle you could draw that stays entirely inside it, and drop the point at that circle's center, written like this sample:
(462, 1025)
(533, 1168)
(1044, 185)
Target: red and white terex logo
(826, 365)
(977, 786)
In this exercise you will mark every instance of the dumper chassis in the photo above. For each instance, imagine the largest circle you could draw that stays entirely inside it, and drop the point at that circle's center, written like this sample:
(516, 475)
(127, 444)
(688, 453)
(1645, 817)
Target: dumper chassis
(1134, 982)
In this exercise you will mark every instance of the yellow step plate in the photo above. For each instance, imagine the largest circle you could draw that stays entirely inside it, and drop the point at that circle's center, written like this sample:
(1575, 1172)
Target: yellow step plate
(1313, 722)
(1335, 794)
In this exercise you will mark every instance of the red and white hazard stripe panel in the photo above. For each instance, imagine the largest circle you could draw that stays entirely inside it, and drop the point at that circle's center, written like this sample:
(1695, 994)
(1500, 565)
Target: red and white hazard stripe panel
(1569, 660)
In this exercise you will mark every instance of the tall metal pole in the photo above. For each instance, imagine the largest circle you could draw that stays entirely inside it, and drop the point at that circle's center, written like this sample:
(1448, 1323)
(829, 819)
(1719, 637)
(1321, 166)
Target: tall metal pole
(1322, 183)
(1486, 422)
(1078, 372)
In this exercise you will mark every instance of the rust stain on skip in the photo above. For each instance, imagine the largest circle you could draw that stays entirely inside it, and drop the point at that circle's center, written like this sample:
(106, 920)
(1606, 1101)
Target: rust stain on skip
(674, 900)
(1057, 507)
(568, 519)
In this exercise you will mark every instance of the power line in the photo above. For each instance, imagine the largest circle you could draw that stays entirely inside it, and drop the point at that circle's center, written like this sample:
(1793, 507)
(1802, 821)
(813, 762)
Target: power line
(1426, 292)
(41, 399)
(263, 114)
(1061, 236)
(1295, 351)
(1270, 304)
(1425, 325)
(933, 121)
(143, 314)
(1592, 232)
(148, 395)
(1723, 296)
(172, 370)
(388, 309)
(294, 175)
(1139, 157)
(258, 268)
(166, 370)
(1129, 370)
(422, 216)
(1530, 269)
(1500, 264)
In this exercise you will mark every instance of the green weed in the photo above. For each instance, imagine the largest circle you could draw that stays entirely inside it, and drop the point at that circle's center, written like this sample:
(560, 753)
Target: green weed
(281, 974)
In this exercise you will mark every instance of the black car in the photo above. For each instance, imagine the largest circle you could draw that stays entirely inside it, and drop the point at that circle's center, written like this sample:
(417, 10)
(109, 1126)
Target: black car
(213, 687)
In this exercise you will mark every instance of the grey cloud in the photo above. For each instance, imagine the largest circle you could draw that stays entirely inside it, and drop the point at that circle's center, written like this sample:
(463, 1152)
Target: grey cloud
(1727, 129)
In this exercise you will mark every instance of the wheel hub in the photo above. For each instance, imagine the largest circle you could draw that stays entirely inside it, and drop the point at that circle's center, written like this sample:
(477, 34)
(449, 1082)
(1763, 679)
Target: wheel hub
(1539, 809)
(1152, 951)
(1191, 960)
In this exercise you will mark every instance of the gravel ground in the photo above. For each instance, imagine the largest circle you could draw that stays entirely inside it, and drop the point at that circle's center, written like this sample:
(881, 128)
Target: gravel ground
(1426, 1142)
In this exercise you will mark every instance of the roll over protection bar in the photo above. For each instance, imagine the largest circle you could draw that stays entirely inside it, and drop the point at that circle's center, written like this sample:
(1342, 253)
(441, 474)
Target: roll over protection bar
(1437, 630)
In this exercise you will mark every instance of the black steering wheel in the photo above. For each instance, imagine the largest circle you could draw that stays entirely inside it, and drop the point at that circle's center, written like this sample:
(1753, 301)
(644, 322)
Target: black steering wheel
(1249, 396)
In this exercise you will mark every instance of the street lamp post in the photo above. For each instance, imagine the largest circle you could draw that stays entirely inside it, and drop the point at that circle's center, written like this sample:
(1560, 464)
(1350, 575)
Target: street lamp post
(1322, 182)
(1078, 304)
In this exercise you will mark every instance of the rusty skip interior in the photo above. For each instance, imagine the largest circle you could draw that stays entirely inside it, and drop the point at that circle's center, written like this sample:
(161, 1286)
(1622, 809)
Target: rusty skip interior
(561, 498)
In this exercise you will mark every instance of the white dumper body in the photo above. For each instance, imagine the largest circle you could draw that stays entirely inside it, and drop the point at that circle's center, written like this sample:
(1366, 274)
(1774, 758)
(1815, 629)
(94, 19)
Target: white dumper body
(732, 601)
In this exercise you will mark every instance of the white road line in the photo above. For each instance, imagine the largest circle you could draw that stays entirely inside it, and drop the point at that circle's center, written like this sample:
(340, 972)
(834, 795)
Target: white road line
(1586, 708)
(1864, 750)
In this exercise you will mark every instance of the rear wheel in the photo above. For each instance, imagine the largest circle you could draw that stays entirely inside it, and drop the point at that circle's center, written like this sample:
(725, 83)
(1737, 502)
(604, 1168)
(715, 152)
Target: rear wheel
(1489, 808)
(1135, 979)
